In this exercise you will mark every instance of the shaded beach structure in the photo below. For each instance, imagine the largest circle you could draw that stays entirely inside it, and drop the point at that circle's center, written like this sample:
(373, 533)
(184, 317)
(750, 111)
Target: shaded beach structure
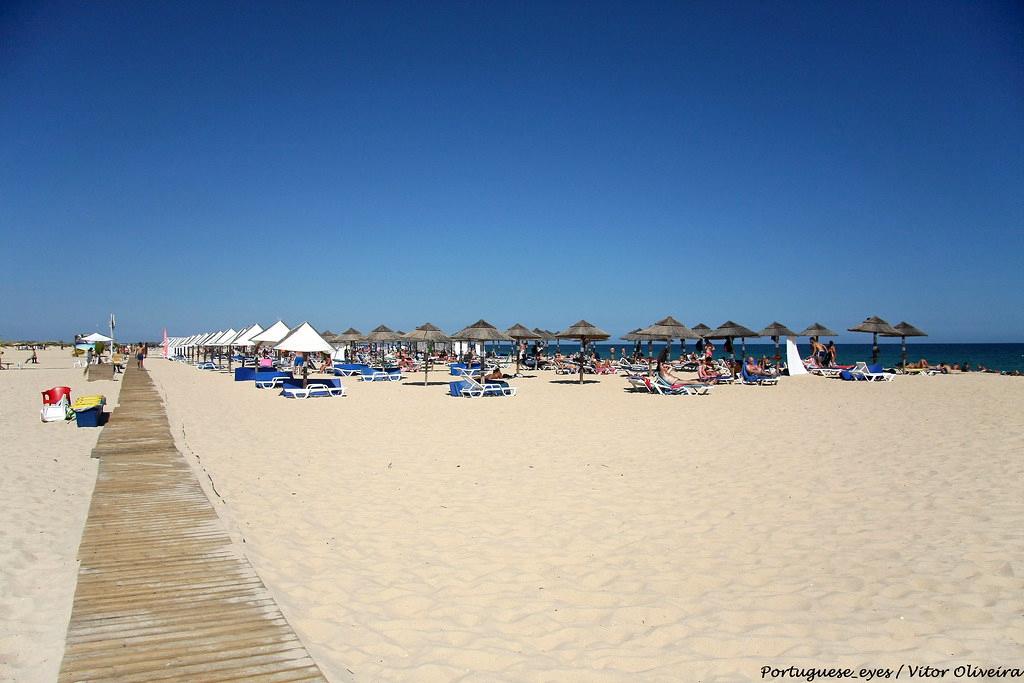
(633, 336)
(730, 330)
(304, 339)
(585, 332)
(350, 337)
(380, 335)
(521, 332)
(817, 330)
(430, 334)
(483, 332)
(905, 330)
(776, 331)
(272, 335)
(875, 326)
(668, 328)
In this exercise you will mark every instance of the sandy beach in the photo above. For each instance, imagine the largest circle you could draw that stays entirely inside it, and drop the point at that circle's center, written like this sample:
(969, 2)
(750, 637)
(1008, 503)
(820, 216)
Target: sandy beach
(586, 533)
(571, 532)
(47, 481)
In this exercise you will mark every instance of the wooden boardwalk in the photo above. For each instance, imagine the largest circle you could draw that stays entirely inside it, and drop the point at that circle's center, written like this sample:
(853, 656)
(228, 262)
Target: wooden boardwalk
(163, 594)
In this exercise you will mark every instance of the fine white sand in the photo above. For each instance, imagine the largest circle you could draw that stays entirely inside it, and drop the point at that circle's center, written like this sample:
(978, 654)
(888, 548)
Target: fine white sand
(581, 533)
(45, 487)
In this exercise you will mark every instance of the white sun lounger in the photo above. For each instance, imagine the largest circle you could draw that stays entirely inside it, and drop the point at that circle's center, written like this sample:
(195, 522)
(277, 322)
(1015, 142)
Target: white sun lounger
(314, 389)
(272, 383)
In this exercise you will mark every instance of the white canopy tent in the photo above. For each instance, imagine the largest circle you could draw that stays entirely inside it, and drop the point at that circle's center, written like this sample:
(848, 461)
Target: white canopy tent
(272, 335)
(96, 337)
(244, 338)
(304, 339)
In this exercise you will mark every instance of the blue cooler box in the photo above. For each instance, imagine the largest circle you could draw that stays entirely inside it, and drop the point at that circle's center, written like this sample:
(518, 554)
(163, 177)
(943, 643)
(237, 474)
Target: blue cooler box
(94, 417)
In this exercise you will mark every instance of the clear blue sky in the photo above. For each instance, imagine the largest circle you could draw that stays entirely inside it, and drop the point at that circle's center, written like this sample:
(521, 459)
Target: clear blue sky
(349, 164)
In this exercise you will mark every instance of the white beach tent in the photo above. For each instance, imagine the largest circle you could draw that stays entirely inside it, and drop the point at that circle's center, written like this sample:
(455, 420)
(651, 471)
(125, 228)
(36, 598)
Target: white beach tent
(794, 362)
(272, 335)
(225, 338)
(210, 338)
(304, 339)
(96, 337)
(244, 337)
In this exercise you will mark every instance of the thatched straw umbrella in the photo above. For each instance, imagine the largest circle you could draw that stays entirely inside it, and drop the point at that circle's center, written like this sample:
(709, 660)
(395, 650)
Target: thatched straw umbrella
(875, 326)
(585, 332)
(427, 333)
(544, 336)
(667, 328)
(633, 336)
(521, 332)
(730, 330)
(905, 330)
(483, 332)
(380, 335)
(350, 337)
(776, 331)
(817, 330)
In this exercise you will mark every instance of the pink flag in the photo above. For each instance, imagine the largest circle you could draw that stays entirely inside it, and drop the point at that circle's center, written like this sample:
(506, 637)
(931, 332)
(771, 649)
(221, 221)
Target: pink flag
(165, 342)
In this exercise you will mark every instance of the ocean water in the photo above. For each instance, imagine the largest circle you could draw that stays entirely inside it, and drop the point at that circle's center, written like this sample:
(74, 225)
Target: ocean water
(1004, 357)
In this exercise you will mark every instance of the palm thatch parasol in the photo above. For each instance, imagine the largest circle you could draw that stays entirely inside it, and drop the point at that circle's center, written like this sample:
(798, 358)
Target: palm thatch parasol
(350, 337)
(585, 332)
(668, 328)
(729, 330)
(817, 330)
(875, 326)
(905, 330)
(521, 332)
(427, 333)
(483, 332)
(776, 331)
(381, 335)
(633, 336)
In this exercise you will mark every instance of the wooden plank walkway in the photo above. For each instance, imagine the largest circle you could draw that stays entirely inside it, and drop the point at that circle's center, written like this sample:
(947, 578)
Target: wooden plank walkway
(97, 372)
(163, 594)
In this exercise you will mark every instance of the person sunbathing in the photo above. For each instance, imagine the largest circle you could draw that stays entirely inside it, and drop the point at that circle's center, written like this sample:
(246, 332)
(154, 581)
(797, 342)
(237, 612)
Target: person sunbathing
(496, 377)
(665, 375)
(706, 372)
(754, 369)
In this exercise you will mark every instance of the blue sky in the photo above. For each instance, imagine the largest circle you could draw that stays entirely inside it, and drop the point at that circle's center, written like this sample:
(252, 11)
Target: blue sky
(353, 164)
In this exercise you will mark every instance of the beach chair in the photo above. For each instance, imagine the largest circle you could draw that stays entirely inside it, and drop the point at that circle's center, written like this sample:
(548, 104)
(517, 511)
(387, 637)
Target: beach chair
(759, 380)
(660, 386)
(871, 373)
(639, 383)
(474, 389)
(369, 374)
(314, 388)
(274, 382)
(208, 365)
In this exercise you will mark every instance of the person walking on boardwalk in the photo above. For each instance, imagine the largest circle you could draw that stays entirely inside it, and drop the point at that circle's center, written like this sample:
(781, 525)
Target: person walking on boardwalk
(140, 356)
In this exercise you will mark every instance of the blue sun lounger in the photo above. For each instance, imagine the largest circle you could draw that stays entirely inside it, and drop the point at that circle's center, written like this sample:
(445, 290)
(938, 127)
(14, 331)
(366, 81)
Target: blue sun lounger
(760, 380)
